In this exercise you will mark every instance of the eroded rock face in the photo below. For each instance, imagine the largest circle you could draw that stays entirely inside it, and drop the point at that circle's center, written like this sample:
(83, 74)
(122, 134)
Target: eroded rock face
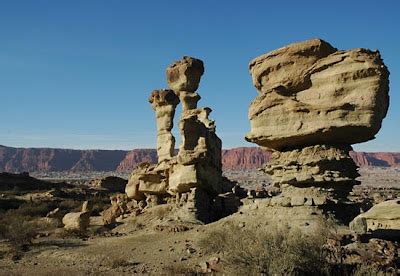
(314, 164)
(311, 93)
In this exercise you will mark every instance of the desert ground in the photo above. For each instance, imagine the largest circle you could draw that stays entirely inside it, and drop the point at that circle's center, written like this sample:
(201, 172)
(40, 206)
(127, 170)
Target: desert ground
(153, 242)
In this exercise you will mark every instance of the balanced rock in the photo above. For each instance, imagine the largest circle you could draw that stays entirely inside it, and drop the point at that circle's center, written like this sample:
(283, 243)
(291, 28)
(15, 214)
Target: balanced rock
(185, 74)
(314, 102)
(311, 93)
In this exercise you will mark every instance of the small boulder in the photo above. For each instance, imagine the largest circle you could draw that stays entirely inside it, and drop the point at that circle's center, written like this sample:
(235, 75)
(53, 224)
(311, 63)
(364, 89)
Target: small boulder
(76, 221)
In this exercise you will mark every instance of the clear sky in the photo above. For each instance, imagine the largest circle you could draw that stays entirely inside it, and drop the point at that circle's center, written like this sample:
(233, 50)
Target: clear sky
(77, 74)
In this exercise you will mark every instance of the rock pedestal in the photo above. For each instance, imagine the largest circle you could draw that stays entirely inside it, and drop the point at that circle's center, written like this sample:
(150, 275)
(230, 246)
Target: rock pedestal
(314, 102)
(197, 168)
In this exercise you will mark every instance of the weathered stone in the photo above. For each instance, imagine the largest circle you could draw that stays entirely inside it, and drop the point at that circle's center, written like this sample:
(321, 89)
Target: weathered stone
(196, 170)
(310, 93)
(153, 183)
(383, 217)
(185, 74)
(182, 178)
(313, 165)
(132, 188)
(188, 99)
(314, 102)
(164, 103)
(118, 208)
(76, 221)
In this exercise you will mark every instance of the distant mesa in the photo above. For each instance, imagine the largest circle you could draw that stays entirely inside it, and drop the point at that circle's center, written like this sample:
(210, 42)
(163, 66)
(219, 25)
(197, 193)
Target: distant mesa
(66, 160)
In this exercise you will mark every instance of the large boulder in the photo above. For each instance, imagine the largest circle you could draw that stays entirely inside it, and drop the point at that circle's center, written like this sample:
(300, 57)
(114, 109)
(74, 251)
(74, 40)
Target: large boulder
(383, 218)
(311, 93)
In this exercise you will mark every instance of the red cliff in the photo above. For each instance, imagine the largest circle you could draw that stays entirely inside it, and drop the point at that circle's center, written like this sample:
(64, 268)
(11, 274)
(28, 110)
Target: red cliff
(46, 159)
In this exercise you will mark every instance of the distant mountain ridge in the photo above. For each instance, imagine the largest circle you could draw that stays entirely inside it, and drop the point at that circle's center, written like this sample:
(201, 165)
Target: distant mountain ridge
(53, 160)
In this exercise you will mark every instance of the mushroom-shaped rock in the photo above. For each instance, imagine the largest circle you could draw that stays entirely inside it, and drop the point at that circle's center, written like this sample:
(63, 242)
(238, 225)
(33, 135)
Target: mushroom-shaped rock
(185, 74)
(310, 93)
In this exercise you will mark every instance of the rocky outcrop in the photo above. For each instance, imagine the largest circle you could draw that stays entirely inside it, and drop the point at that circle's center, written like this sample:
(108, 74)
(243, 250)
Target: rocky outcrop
(314, 102)
(383, 218)
(311, 93)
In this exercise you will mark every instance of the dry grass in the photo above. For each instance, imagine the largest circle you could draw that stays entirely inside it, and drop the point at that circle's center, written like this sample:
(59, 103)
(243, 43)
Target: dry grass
(282, 251)
(17, 229)
(180, 269)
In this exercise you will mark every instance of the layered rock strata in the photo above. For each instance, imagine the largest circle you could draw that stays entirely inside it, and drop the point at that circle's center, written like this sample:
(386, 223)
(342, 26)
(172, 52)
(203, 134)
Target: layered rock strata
(314, 102)
(197, 167)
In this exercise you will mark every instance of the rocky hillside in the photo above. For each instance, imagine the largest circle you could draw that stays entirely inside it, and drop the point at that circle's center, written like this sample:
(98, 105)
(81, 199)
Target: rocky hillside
(47, 159)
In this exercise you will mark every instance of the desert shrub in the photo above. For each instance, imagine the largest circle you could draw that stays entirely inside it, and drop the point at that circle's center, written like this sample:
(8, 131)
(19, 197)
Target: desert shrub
(74, 233)
(115, 262)
(100, 203)
(180, 269)
(33, 209)
(282, 251)
(369, 270)
(71, 205)
(17, 229)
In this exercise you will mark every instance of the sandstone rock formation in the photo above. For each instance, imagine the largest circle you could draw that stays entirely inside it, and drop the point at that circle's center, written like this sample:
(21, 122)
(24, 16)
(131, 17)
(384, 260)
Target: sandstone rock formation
(314, 102)
(164, 103)
(310, 93)
(118, 208)
(197, 167)
(383, 217)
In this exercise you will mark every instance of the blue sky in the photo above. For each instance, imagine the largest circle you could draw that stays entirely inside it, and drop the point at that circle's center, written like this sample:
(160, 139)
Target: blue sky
(77, 74)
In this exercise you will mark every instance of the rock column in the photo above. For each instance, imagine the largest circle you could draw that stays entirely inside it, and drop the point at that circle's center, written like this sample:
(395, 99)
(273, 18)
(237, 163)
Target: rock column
(164, 103)
(199, 157)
